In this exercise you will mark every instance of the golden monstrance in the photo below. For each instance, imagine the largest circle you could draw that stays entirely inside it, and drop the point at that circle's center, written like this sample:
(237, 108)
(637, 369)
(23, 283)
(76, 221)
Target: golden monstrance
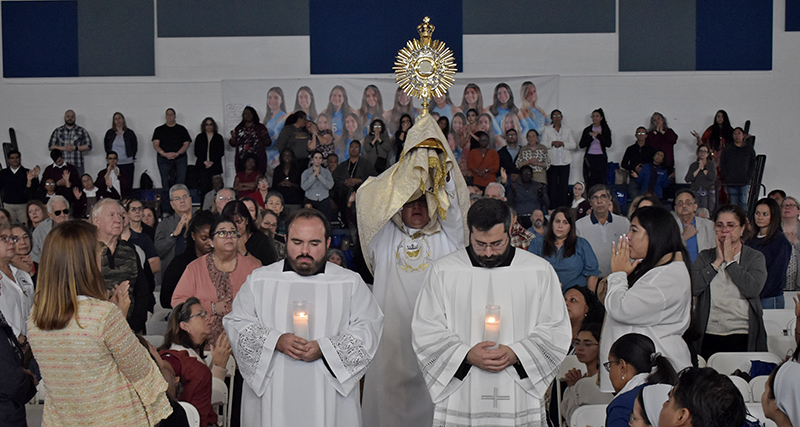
(425, 67)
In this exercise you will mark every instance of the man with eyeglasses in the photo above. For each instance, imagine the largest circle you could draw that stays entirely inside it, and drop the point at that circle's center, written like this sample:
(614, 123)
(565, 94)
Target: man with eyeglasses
(13, 185)
(602, 227)
(408, 217)
(120, 262)
(636, 156)
(170, 233)
(468, 374)
(58, 209)
(697, 233)
(223, 197)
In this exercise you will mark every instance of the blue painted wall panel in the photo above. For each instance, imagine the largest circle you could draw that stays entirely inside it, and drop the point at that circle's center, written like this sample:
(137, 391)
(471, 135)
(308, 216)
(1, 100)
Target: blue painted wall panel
(792, 15)
(734, 35)
(40, 39)
(359, 36)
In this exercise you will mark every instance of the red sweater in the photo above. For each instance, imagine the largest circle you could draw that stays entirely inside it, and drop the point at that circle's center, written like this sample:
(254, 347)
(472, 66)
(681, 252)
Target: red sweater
(195, 377)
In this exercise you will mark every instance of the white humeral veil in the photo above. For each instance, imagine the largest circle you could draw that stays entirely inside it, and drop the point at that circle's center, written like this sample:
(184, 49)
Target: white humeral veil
(394, 390)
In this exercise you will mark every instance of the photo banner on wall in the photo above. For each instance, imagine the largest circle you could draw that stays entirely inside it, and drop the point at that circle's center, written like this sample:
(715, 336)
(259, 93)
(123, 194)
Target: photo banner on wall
(347, 106)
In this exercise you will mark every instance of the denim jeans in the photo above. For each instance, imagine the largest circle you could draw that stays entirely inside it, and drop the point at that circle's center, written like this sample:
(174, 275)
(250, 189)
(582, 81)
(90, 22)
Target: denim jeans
(737, 195)
(166, 168)
(773, 302)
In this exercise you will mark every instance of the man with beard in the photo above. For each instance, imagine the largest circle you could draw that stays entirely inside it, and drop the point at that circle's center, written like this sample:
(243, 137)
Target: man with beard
(526, 195)
(408, 217)
(72, 140)
(538, 223)
(297, 375)
(500, 379)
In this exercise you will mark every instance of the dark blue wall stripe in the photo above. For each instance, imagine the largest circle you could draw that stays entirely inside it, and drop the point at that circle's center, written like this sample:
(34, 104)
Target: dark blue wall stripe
(734, 35)
(361, 36)
(40, 39)
(792, 15)
(655, 35)
(237, 18)
(539, 16)
(115, 38)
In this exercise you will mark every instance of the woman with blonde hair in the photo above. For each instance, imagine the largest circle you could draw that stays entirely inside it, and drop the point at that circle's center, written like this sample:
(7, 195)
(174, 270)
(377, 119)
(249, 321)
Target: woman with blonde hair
(338, 108)
(304, 100)
(531, 115)
(95, 371)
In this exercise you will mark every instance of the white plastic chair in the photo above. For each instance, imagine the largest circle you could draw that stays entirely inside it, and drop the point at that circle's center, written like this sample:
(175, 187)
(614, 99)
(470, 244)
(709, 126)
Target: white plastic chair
(589, 416)
(191, 414)
(219, 398)
(757, 386)
(569, 362)
(757, 411)
(782, 316)
(726, 363)
(781, 346)
(701, 362)
(156, 340)
(743, 387)
(774, 329)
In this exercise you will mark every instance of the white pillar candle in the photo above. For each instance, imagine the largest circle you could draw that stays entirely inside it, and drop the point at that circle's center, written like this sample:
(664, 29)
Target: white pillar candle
(300, 319)
(491, 330)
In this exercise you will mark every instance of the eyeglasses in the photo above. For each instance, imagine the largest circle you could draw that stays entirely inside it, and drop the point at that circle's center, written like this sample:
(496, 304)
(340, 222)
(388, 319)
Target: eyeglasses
(721, 226)
(608, 364)
(58, 213)
(421, 202)
(641, 133)
(599, 197)
(135, 209)
(201, 315)
(49, 184)
(227, 234)
(494, 246)
(789, 205)
(682, 203)
(633, 418)
(579, 343)
(179, 198)
(228, 199)
(9, 239)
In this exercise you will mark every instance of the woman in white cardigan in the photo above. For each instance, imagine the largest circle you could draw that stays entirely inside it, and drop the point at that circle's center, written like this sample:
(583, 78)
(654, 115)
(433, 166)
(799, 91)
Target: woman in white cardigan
(649, 289)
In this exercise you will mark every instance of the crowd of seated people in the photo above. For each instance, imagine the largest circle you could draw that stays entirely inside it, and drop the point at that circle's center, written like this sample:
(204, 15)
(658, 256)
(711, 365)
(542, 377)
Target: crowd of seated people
(639, 269)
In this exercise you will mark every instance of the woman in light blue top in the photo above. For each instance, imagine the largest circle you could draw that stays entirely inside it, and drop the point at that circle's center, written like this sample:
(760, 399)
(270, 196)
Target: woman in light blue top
(276, 112)
(443, 106)
(571, 256)
(531, 115)
(338, 108)
(503, 103)
(317, 182)
(371, 106)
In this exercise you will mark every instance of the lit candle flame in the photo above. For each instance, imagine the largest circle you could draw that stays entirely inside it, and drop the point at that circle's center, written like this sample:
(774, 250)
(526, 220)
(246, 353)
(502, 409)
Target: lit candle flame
(491, 320)
(302, 314)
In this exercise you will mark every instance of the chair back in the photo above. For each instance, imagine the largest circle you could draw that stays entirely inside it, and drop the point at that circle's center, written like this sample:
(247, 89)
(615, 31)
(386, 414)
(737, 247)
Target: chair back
(757, 387)
(589, 416)
(726, 363)
(743, 387)
(191, 414)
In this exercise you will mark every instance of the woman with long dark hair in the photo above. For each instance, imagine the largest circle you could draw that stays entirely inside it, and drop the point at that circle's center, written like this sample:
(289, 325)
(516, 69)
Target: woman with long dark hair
(717, 135)
(632, 363)
(377, 147)
(571, 256)
(770, 241)
(582, 387)
(651, 295)
(198, 243)
(596, 138)
(252, 241)
(727, 281)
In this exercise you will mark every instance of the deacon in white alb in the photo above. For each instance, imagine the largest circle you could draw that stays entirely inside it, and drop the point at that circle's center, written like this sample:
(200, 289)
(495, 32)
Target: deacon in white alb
(471, 383)
(290, 380)
(408, 217)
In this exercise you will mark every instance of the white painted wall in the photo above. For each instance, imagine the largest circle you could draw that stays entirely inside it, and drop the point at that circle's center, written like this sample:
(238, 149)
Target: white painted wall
(189, 74)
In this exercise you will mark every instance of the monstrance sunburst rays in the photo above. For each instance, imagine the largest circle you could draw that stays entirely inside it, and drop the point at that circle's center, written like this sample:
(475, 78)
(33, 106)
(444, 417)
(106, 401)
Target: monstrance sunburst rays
(425, 67)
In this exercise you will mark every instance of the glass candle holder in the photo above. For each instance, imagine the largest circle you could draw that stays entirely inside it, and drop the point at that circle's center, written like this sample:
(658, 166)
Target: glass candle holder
(300, 318)
(491, 329)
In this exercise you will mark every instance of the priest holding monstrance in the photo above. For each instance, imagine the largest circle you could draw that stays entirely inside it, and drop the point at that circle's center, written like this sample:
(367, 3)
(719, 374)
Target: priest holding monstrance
(408, 217)
(490, 328)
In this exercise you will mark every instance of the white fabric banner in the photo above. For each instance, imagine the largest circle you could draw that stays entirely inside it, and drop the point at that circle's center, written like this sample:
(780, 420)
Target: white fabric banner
(316, 95)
